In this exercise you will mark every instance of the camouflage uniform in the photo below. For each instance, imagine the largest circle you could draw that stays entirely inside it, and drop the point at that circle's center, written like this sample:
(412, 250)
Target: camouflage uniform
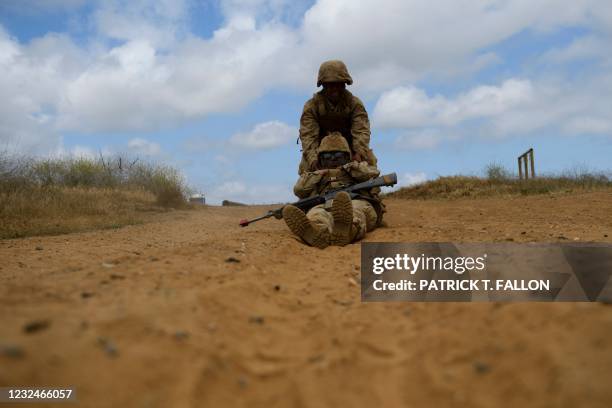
(365, 213)
(320, 117)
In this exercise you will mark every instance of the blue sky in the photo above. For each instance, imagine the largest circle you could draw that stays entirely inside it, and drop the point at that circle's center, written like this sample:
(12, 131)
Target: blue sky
(216, 88)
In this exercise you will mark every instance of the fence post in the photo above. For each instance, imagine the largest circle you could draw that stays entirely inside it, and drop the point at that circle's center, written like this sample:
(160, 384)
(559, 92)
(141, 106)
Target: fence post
(523, 165)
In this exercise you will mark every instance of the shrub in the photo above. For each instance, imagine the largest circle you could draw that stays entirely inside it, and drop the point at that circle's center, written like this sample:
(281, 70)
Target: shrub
(58, 195)
(497, 172)
(104, 172)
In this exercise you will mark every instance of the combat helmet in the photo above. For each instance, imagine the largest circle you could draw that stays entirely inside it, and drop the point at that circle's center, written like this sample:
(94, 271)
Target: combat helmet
(334, 151)
(334, 142)
(334, 71)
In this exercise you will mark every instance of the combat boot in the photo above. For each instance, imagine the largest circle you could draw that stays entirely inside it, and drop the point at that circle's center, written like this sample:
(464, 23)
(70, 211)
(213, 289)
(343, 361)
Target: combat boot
(342, 211)
(301, 226)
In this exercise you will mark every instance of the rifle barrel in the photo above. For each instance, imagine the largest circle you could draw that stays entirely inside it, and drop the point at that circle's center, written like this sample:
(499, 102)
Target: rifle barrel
(306, 203)
(244, 222)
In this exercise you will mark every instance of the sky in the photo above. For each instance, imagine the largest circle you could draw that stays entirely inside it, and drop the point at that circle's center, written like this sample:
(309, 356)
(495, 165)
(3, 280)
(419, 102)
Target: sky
(216, 88)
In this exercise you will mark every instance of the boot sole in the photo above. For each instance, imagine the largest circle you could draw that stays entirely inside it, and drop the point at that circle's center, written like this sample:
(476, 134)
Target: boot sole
(342, 211)
(300, 225)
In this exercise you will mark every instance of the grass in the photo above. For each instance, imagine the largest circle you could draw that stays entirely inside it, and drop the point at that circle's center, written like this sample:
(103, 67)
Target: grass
(500, 182)
(68, 194)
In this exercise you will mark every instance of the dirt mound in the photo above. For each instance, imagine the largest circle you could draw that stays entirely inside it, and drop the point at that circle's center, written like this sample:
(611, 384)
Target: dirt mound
(193, 310)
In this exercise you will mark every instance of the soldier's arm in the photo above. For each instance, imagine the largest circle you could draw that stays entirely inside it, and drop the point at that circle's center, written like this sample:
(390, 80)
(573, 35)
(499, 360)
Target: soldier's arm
(361, 171)
(360, 129)
(307, 184)
(309, 135)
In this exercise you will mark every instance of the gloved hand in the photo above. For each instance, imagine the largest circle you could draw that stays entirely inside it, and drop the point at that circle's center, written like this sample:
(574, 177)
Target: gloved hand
(351, 165)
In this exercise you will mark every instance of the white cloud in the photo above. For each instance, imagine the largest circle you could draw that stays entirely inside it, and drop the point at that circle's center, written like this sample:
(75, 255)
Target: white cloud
(76, 152)
(426, 139)
(28, 81)
(142, 69)
(82, 151)
(407, 107)
(157, 22)
(144, 147)
(569, 107)
(514, 108)
(134, 87)
(409, 179)
(589, 46)
(589, 125)
(427, 37)
(265, 135)
(240, 191)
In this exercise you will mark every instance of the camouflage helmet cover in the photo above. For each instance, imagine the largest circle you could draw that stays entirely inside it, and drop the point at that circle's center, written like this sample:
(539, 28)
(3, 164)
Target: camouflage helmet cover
(334, 71)
(334, 142)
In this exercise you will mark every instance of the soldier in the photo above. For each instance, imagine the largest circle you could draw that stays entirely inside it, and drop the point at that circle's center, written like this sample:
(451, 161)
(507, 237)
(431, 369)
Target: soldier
(347, 220)
(334, 109)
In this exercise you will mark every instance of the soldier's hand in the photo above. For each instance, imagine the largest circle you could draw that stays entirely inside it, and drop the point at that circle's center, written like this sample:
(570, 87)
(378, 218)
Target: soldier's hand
(322, 172)
(350, 165)
(357, 157)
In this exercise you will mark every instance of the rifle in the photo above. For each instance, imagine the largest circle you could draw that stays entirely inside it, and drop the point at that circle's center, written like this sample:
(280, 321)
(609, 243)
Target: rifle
(306, 204)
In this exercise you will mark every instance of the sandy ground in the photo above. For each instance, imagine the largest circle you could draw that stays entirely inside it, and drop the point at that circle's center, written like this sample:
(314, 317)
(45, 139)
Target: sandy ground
(194, 311)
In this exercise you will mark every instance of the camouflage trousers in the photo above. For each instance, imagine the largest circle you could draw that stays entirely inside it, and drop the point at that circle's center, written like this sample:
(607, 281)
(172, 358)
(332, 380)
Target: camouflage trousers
(364, 218)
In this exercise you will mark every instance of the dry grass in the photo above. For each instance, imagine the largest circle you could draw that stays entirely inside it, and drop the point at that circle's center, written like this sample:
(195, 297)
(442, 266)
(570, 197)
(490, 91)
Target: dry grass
(499, 182)
(59, 210)
(55, 196)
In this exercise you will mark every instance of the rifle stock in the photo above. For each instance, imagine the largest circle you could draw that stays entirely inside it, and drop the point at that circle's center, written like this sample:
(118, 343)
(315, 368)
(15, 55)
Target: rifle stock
(306, 204)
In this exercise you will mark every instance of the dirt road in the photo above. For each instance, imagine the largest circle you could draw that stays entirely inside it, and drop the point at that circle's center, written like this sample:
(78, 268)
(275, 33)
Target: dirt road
(193, 311)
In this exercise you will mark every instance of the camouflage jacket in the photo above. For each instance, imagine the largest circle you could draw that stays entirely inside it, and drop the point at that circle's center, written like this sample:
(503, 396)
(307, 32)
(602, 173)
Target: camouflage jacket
(321, 181)
(320, 117)
(318, 182)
